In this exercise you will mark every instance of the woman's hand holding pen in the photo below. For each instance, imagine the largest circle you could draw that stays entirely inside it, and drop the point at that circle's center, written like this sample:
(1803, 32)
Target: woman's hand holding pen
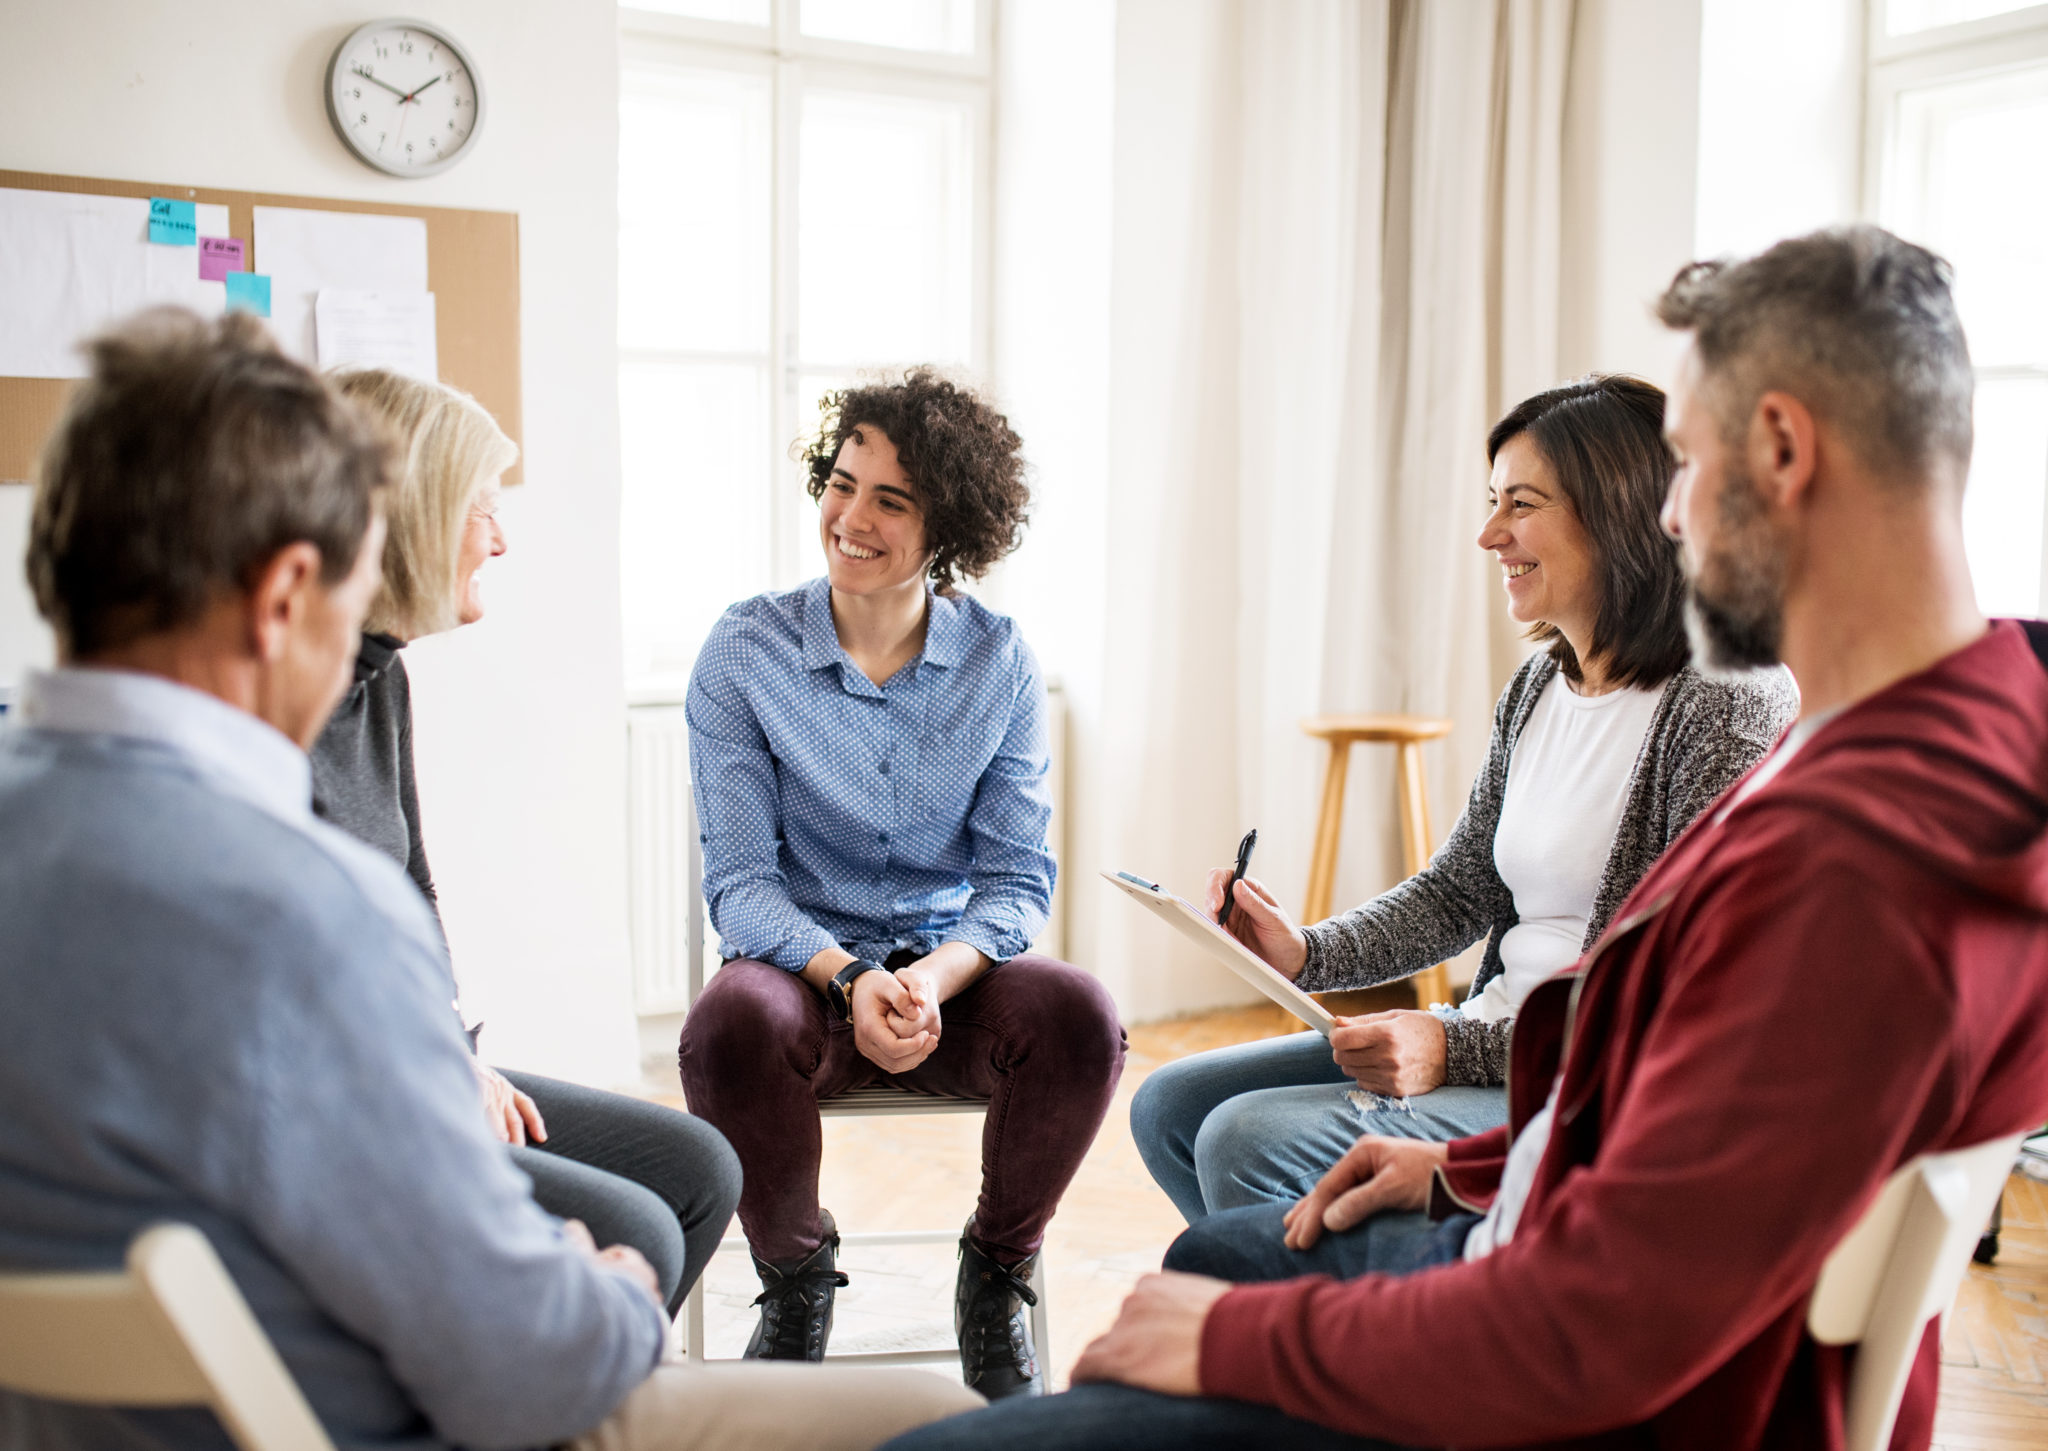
(1259, 922)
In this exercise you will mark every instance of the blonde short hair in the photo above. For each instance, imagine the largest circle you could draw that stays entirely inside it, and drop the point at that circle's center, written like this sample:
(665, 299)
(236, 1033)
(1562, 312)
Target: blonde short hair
(451, 448)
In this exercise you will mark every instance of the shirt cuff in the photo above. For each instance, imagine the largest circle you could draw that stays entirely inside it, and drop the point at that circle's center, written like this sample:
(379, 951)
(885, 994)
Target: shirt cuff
(997, 940)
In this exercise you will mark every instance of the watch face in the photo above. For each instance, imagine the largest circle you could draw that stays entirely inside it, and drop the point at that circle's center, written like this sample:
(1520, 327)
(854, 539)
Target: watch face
(404, 97)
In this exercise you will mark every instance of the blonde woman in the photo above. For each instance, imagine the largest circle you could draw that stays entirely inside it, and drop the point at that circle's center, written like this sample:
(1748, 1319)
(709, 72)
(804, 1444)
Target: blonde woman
(635, 1173)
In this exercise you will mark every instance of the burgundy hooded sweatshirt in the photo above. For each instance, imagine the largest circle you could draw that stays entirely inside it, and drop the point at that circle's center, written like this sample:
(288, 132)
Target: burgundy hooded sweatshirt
(1813, 986)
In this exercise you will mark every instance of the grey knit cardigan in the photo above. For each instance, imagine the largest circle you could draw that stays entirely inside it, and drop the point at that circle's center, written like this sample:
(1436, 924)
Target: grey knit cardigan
(1705, 734)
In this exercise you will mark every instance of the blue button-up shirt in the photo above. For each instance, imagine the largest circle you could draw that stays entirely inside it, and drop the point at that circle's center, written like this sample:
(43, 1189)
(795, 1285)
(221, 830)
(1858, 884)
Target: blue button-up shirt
(838, 812)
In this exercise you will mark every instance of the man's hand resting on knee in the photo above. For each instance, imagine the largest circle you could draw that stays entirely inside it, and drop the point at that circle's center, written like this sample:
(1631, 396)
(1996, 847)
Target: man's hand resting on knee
(1377, 1174)
(1156, 1343)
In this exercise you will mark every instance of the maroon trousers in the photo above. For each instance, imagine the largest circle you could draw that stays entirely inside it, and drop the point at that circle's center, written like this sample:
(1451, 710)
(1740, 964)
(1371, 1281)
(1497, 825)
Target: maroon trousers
(1036, 1037)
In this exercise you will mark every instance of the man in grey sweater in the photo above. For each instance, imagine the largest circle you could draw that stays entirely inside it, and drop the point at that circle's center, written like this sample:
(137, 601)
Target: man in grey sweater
(216, 1009)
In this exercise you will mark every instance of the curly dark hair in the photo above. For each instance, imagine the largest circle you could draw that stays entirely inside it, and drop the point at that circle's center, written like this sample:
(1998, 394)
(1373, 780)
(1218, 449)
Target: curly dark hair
(962, 458)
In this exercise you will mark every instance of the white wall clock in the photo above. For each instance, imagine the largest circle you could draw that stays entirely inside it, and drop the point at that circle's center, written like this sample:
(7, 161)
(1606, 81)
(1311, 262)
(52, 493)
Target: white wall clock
(404, 97)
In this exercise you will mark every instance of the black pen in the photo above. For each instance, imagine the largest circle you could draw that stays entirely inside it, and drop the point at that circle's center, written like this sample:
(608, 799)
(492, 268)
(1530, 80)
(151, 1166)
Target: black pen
(1244, 859)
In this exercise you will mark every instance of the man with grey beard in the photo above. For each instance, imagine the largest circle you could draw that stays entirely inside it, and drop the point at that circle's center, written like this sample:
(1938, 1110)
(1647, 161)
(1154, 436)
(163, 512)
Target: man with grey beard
(1840, 966)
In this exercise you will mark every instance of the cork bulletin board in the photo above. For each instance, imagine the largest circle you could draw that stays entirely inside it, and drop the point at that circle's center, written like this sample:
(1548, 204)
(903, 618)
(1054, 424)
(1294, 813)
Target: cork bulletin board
(472, 270)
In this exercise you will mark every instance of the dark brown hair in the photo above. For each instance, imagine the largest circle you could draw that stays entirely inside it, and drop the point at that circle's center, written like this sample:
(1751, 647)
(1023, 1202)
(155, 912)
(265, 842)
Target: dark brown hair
(1603, 436)
(1855, 323)
(962, 457)
(188, 457)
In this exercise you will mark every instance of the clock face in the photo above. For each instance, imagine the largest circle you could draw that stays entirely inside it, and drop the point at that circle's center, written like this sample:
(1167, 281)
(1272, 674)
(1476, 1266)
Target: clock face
(404, 97)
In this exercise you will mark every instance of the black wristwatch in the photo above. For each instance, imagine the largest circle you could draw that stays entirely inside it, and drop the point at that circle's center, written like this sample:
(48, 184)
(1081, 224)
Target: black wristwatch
(839, 990)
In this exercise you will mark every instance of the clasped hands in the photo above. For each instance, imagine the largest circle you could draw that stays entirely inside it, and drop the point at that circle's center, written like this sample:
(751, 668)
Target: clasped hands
(1156, 1342)
(1398, 1053)
(895, 1016)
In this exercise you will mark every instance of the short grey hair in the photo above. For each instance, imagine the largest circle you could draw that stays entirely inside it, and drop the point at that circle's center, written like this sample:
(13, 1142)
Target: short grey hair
(1856, 323)
(190, 454)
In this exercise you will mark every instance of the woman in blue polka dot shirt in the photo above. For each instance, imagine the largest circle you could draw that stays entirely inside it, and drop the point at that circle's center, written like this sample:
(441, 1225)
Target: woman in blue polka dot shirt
(869, 756)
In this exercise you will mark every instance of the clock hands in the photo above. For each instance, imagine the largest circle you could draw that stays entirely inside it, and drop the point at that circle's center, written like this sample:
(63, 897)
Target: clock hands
(402, 96)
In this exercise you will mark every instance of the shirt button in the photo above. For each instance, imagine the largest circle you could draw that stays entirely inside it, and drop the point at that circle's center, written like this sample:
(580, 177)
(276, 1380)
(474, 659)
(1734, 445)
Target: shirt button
(885, 768)
(882, 837)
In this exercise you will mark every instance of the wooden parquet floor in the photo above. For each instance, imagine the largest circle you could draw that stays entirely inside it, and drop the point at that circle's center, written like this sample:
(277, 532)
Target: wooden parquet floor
(1114, 1225)
(1994, 1348)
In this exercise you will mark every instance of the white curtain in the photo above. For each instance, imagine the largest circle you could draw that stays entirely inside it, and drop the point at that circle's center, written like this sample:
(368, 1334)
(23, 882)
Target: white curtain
(1335, 263)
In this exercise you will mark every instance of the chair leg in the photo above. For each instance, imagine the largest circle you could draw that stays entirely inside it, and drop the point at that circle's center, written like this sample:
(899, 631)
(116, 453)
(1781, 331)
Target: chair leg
(1322, 861)
(1041, 1321)
(693, 1321)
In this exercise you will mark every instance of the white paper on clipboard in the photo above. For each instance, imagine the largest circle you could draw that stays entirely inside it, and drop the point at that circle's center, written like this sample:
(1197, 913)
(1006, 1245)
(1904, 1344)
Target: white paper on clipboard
(1194, 924)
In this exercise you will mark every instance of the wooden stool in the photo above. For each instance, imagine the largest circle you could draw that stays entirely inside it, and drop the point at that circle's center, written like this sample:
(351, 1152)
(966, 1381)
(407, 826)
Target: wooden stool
(1405, 733)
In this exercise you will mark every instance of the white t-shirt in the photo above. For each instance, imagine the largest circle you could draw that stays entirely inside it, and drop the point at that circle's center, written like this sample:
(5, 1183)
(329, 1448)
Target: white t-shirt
(1567, 783)
(1519, 1174)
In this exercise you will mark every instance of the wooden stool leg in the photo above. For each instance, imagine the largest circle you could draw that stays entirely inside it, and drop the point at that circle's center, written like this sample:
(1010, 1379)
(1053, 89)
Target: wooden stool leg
(1322, 861)
(1432, 985)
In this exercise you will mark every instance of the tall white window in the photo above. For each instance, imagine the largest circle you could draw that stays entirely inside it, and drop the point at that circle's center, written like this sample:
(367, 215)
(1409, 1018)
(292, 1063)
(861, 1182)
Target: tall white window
(1957, 146)
(803, 200)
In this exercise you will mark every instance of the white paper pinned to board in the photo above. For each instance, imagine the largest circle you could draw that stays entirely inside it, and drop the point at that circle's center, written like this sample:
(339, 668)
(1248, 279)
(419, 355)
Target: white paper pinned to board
(73, 264)
(306, 253)
(393, 330)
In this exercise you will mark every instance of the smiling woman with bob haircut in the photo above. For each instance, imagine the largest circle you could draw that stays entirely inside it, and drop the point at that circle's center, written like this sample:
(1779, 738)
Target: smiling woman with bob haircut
(869, 756)
(1605, 747)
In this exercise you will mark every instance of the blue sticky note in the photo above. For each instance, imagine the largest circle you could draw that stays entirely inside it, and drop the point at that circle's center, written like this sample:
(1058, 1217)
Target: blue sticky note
(248, 292)
(173, 223)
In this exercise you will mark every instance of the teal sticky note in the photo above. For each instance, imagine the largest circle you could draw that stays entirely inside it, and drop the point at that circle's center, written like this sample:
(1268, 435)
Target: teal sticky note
(173, 223)
(248, 292)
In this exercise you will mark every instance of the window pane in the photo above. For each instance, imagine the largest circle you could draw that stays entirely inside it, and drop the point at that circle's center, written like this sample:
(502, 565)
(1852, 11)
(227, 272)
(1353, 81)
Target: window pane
(2002, 508)
(940, 25)
(1954, 186)
(735, 12)
(694, 189)
(885, 231)
(1903, 17)
(694, 525)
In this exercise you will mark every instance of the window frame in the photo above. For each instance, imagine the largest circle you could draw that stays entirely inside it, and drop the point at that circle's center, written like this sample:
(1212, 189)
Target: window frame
(1971, 50)
(795, 64)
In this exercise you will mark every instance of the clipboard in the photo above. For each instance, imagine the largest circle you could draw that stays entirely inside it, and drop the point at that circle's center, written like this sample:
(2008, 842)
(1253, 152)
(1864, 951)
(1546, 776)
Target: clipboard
(1194, 924)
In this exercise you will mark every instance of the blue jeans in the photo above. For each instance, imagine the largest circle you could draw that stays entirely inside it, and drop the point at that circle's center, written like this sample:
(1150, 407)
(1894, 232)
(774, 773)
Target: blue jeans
(1260, 1123)
(1118, 1418)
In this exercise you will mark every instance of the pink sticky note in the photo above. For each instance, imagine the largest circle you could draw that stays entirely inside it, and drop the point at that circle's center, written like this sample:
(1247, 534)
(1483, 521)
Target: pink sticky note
(218, 256)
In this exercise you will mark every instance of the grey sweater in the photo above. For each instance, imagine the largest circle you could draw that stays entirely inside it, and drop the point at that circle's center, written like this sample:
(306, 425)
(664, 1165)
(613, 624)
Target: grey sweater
(1705, 734)
(362, 762)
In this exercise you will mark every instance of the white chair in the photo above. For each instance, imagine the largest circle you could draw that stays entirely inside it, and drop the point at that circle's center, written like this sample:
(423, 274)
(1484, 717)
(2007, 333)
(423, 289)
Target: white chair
(169, 1330)
(1898, 1269)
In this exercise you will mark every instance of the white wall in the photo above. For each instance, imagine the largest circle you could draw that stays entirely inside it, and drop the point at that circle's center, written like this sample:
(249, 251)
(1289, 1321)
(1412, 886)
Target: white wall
(521, 739)
(1631, 132)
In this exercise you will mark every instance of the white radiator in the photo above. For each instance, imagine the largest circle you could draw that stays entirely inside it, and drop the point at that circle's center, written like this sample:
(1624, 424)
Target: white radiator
(665, 865)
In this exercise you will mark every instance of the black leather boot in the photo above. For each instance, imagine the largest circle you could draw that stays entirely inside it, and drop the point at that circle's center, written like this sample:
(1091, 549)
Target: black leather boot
(796, 1303)
(996, 1354)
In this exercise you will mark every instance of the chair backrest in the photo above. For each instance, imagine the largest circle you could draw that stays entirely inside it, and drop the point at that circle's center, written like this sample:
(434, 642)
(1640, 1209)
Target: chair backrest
(1898, 1269)
(169, 1330)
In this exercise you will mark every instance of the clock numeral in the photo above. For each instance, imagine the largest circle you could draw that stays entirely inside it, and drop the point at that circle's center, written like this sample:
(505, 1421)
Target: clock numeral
(408, 148)
(357, 93)
(458, 103)
(451, 125)
(405, 47)
(364, 119)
